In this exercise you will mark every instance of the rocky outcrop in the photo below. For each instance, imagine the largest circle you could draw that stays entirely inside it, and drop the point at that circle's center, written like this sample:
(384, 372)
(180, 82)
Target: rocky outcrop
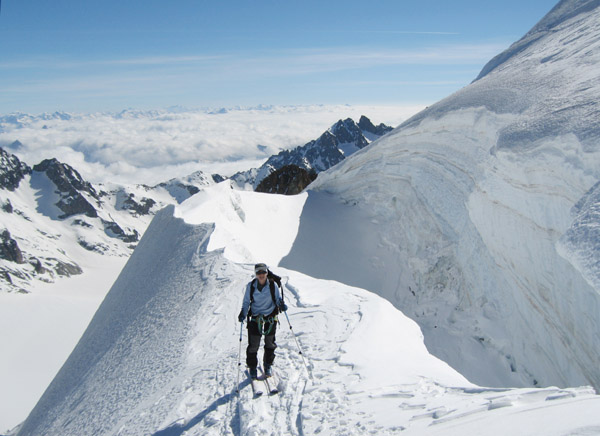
(7, 207)
(141, 207)
(69, 186)
(347, 131)
(289, 180)
(9, 249)
(113, 230)
(366, 125)
(21, 267)
(340, 141)
(12, 170)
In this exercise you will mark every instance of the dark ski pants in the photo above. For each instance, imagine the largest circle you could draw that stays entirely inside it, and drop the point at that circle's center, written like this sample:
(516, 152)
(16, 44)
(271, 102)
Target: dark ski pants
(254, 344)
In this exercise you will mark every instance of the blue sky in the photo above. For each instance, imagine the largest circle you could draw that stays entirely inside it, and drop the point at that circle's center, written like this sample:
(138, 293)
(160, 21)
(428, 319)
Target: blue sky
(86, 56)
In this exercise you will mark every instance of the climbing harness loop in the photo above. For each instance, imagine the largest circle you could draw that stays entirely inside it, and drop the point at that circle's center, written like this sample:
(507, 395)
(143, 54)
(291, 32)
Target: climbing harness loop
(265, 323)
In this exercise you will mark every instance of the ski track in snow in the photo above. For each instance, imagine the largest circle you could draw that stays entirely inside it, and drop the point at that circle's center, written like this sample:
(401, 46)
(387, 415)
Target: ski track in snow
(331, 397)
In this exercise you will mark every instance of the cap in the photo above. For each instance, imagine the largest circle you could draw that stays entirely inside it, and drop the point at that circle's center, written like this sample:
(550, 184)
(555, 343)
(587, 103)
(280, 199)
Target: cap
(260, 267)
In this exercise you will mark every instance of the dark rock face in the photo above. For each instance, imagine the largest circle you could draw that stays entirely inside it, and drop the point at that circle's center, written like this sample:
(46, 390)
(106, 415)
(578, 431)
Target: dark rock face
(366, 125)
(178, 190)
(217, 178)
(113, 230)
(65, 177)
(340, 141)
(37, 266)
(12, 171)
(9, 249)
(141, 208)
(67, 269)
(76, 204)
(69, 184)
(319, 154)
(95, 247)
(326, 151)
(289, 180)
(347, 131)
(8, 207)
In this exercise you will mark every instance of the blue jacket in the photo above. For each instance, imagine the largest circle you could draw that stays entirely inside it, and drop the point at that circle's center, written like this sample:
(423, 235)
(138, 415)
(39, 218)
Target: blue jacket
(263, 303)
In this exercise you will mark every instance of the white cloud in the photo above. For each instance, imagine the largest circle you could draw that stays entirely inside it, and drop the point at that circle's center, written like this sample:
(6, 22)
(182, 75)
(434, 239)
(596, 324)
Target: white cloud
(153, 146)
(140, 74)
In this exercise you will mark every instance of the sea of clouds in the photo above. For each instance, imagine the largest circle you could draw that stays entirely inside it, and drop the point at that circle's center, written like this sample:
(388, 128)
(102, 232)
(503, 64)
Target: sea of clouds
(149, 147)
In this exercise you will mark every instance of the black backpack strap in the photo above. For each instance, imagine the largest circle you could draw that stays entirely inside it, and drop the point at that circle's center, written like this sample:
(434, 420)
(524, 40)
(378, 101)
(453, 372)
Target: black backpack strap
(272, 288)
(252, 291)
(275, 278)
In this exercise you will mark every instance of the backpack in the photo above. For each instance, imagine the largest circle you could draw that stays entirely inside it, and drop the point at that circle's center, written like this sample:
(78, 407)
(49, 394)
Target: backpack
(272, 278)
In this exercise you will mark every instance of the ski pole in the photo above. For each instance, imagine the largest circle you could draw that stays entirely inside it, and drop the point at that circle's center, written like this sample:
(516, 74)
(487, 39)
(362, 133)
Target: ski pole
(297, 344)
(237, 388)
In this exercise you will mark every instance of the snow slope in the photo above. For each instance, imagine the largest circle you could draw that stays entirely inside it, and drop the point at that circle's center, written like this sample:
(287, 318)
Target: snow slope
(40, 329)
(160, 356)
(43, 247)
(66, 267)
(483, 230)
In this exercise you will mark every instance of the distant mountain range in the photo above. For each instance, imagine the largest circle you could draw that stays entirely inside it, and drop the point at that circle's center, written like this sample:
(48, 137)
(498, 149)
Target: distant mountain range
(50, 214)
(52, 218)
(341, 140)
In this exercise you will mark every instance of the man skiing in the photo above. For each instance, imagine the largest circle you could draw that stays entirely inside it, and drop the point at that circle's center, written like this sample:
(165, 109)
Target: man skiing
(262, 303)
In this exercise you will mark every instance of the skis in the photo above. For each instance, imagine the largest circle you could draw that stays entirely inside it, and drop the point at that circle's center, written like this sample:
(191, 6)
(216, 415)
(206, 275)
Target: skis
(257, 387)
(264, 384)
(271, 383)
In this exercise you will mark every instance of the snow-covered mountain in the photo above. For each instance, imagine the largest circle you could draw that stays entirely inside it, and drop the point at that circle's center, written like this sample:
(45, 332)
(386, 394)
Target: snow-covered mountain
(160, 356)
(340, 141)
(485, 210)
(53, 220)
(50, 212)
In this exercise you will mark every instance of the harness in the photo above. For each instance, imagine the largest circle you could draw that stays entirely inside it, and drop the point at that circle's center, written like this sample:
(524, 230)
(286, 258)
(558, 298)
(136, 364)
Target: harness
(263, 320)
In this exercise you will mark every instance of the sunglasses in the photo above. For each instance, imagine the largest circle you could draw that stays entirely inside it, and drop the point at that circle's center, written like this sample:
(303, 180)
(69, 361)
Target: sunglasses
(259, 273)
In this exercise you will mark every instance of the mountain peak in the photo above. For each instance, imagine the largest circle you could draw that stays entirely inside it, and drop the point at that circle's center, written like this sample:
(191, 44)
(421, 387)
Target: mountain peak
(563, 11)
(342, 139)
(70, 186)
(12, 170)
(366, 125)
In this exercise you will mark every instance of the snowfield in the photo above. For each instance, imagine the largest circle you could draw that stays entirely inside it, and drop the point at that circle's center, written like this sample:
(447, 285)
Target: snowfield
(160, 355)
(41, 329)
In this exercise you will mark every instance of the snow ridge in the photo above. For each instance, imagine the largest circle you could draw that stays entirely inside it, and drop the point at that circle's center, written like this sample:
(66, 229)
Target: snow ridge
(160, 358)
(147, 313)
(563, 11)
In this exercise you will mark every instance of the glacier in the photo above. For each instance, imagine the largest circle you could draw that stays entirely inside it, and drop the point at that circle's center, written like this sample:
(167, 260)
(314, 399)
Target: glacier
(474, 201)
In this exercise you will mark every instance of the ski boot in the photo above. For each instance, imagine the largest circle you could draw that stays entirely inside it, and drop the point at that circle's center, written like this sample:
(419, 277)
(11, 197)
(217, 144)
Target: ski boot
(253, 373)
(268, 370)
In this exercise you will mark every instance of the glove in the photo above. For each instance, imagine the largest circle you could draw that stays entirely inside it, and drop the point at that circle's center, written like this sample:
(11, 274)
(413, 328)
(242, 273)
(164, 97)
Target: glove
(282, 307)
(241, 316)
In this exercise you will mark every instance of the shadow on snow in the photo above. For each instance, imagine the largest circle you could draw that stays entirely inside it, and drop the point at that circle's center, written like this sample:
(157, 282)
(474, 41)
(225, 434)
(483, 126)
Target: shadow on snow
(180, 429)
